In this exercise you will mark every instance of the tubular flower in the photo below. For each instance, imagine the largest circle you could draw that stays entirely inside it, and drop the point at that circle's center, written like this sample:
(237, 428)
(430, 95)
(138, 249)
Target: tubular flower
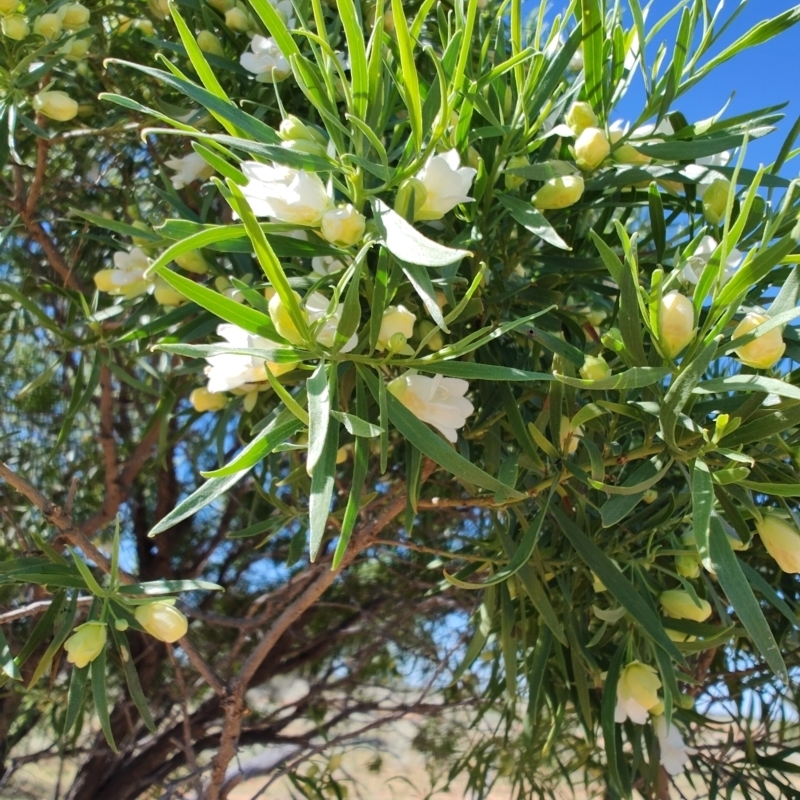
(265, 59)
(765, 350)
(674, 752)
(782, 541)
(285, 194)
(162, 621)
(680, 605)
(698, 261)
(229, 371)
(86, 643)
(55, 105)
(74, 16)
(48, 26)
(438, 401)
(715, 201)
(128, 276)
(343, 226)
(447, 184)
(677, 323)
(189, 169)
(16, 27)
(637, 692)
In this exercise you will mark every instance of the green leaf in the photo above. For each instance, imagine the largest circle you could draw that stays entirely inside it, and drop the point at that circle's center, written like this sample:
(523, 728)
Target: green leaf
(98, 668)
(43, 629)
(356, 426)
(618, 506)
(418, 277)
(532, 220)
(607, 722)
(132, 678)
(617, 584)
(471, 370)
(634, 378)
(593, 58)
(161, 587)
(62, 632)
(199, 499)
(408, 244)
(748, 383)
(323, 472)
(7, 663)
(483, 627)
(319, 412)
(741, 597)
(412, 96)
(357, 54)
(702, 504)
(121, 228)
(75, 696)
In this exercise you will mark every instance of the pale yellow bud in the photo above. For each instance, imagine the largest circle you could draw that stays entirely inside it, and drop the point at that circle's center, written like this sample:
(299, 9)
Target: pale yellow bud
(677, 323)
(342, 454)
(782, 541)
(679, 604)
(192, 261)
(203, 400)
(715, 201)
(86, 643)
(76, 48)
(282, 321)
(628, 154)
(56, 105)
(559, 193)
(121, 624)
(237, 20)
(640, 683)
(74, 16)
(580, 117)
(436, 342)
(650, 496)
(7, 6)
(343, 226)
(209, 43)
(396, 320)
(764, 351)
(512, 181)
(591, 149)
(15, 27)
(687, 567)
(165, 295)
(162, 621)
(250, 400)
(47, 25)
(594, 368)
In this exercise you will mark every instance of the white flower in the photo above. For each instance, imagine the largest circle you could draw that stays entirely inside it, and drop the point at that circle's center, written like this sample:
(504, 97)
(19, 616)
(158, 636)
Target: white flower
(287, 195)
(229, 371)
(674, 752)
(326, 265)
(697, 262)
(285, 10)
(637, 692)
(700, 171)
(438, 401)
(316, 307)
(447, 184)
(128, 276)
(189, 169)
(265, 60)
(343, 226)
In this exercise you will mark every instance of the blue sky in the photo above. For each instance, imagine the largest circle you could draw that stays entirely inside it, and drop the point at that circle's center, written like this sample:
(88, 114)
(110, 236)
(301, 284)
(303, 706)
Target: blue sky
(765, 75)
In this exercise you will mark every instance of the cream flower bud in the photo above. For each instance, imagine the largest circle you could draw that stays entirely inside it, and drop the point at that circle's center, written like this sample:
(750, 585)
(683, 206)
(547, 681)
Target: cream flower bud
(782, 541)
(165, 295)
(396, 319)
(580, 116)
(343, 226)
(447, 184)
(74, 16)
(594, 368)
(86, 643)
(192, 261)
(7, 6)
(677, 323)
(715, 201)
(16, 27)
(438, 401)
(286, 194)
(591, 148)
(162, 621)
(764, 351)
(56, 105)
(559, 193)
(650, 496)
(342, 454)
(48, 25)
(436, 341)
(203, 400)
(512, 181)
(637, 692)
(679, 604)
(237, 20)
(209, 43)
(76, 49)
(628, 154)
(293, 129)
(687, 567)
(282, 321)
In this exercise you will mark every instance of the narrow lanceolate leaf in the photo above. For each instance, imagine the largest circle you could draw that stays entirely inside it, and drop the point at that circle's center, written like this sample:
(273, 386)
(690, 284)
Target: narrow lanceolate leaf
(132, 678)
(98, 668)
(593, 40)
(7, 663)
(319, 411)
(75, 695)
(634, 378)
(155, 588)
(617, 507)
(741, 597)
(702, 505)
(406, 243)
(532, 220)
(200, 498)
(471, 370)
(616, 583)
(357, 53)
(749, 383)
(323, 472)
(411, 92)
(483, 626)
(607, 711)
